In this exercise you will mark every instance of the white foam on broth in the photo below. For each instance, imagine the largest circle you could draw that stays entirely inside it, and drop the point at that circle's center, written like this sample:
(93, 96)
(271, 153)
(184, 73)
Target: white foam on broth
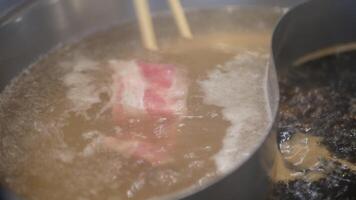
(239, 90)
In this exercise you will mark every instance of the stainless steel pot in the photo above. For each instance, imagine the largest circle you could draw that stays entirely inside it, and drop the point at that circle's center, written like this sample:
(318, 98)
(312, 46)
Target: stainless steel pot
(37, 26)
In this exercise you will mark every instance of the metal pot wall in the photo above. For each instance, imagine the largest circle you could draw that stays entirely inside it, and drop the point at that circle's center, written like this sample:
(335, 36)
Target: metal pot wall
(314, 26)
(36, 27)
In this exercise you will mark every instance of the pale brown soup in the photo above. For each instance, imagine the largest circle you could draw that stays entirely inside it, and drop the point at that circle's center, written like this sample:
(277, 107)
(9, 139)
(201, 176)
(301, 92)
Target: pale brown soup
(55, 115)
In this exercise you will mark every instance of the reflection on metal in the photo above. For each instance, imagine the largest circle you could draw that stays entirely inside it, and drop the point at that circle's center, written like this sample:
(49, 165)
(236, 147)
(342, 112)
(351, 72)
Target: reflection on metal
(325, 52)
(59, 15)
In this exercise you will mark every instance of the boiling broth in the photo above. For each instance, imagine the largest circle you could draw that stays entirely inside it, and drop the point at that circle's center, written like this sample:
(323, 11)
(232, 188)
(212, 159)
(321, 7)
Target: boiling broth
(316, 130)
(55, 114)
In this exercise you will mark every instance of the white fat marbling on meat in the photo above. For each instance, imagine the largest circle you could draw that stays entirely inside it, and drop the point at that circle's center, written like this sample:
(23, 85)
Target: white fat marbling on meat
(130, 77)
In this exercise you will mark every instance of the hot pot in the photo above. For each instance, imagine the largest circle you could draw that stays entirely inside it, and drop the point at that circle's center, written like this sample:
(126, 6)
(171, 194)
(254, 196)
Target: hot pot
(35, 27)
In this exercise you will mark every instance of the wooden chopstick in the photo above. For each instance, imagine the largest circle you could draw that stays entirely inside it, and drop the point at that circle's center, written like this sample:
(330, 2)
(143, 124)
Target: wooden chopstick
(180, 19)
(146, 25)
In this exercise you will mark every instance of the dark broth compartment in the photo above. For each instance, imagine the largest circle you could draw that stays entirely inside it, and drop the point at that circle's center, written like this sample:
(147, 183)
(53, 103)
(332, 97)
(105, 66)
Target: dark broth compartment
(321, 94)
(318, 114)
(315, 59)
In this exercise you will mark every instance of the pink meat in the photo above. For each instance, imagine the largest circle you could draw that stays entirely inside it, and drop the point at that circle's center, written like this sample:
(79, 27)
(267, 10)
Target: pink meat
(151, 90)
(148, 99)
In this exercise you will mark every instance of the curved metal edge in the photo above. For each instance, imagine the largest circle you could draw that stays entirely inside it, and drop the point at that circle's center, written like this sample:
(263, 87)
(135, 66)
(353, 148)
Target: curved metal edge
(312, 26)
(15, 10)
